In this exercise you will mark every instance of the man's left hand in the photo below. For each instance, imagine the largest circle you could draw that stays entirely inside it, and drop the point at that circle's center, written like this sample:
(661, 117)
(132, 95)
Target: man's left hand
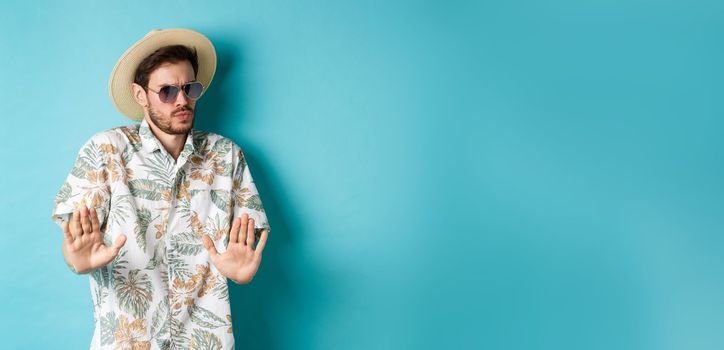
(241, 261)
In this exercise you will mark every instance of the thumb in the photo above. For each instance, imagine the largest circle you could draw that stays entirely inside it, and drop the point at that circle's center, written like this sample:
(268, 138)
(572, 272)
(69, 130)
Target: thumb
(209, 244)
(109, 253)
(120, 242)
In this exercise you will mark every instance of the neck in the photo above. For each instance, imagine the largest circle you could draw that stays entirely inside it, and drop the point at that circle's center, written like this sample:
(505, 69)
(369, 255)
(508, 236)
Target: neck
(172, 143)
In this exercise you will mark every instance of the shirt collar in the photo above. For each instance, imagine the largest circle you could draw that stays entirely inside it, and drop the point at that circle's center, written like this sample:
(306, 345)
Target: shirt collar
(150, 143)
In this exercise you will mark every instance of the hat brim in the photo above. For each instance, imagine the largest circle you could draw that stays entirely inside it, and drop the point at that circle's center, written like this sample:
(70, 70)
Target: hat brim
(123, 74)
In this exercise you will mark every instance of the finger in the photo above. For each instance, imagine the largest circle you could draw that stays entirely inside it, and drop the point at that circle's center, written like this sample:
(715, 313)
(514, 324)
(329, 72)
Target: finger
(75, 229)
(85, 221)
(250, 234)
(262, 242)
(244, 223)
(66, 232)
(95, 225)
(234, 235)
(209, 244)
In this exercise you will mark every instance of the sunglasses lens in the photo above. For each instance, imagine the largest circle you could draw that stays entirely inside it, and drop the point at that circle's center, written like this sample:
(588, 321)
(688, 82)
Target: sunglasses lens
(193, 90)
(167, 93)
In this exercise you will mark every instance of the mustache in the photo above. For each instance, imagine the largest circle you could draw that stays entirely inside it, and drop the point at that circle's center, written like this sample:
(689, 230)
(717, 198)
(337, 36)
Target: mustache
(183, 109)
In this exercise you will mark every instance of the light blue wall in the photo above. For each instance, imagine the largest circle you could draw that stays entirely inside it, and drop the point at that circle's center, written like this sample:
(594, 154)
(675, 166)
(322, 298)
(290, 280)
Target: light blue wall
(439, 174)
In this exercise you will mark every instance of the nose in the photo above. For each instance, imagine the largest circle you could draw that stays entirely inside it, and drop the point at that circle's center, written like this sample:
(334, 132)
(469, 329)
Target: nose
(181, 99)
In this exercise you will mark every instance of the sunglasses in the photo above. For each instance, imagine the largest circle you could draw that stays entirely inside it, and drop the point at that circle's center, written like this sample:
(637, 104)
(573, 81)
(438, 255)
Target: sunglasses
(168, 93)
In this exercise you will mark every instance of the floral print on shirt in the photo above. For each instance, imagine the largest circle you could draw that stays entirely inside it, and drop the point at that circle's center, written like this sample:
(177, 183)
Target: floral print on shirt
(161, 291)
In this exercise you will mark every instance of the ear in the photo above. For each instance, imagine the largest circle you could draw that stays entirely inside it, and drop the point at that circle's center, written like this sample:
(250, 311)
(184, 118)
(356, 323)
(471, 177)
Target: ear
(139, 94)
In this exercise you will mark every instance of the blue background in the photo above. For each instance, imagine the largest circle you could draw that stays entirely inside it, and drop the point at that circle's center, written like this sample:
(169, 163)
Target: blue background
(438, 174)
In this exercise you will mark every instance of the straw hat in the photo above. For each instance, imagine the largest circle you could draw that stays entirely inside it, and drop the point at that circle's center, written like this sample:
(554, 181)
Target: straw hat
(122, 76)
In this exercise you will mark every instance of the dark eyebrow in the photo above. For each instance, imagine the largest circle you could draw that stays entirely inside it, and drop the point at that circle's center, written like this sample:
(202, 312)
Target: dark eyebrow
(165, 84)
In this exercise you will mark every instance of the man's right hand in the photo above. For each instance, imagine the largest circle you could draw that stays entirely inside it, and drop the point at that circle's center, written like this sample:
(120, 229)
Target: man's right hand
(83, 247)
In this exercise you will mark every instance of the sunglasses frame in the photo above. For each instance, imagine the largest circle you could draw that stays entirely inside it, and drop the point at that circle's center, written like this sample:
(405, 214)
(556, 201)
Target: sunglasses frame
(180, 88)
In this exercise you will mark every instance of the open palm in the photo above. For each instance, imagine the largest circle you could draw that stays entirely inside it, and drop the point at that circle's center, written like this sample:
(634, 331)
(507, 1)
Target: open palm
(240, 261)
(83, 242)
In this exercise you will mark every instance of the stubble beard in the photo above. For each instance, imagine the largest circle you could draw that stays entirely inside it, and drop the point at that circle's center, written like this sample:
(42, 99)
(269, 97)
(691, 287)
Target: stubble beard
(166, 124)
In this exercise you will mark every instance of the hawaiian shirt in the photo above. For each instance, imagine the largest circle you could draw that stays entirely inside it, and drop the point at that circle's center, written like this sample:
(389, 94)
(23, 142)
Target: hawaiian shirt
(161, 291)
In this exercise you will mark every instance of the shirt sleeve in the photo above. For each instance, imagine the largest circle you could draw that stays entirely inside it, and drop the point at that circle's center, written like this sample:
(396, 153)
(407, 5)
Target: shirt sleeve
(244, 195)
(88, 183)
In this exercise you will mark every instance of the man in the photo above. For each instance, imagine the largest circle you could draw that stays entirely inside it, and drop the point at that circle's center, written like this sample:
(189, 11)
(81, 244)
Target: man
(146, 207)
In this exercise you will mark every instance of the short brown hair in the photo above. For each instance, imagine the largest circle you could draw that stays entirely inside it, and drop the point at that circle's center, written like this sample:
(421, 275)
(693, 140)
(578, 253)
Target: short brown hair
(166, 54)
